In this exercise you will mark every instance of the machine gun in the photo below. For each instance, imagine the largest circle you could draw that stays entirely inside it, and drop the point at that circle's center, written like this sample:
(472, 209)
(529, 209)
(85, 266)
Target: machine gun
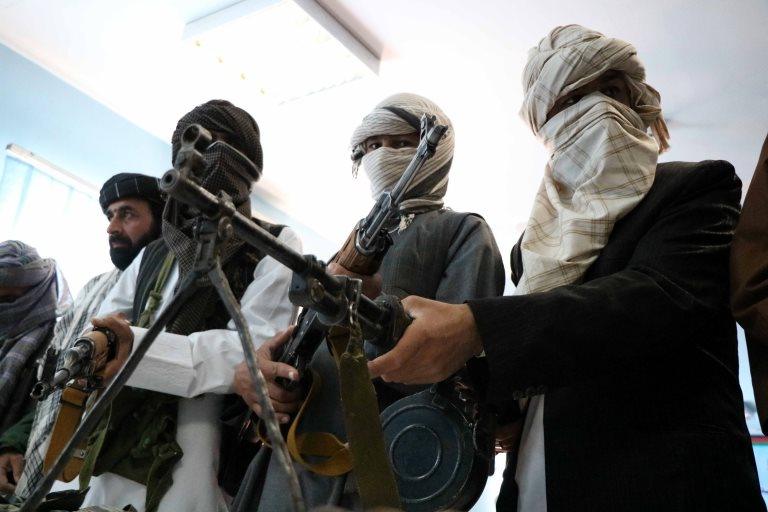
(362, 252)
(337, 300)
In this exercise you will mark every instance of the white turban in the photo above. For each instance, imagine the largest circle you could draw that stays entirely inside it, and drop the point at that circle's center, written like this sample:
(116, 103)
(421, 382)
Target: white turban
(399, 115)
(602, 160)
(602, 164)
(572, 56)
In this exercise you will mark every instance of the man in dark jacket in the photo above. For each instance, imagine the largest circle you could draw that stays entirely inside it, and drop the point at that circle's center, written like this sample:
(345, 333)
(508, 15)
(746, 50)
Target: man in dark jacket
(620, 337)
(749, 280)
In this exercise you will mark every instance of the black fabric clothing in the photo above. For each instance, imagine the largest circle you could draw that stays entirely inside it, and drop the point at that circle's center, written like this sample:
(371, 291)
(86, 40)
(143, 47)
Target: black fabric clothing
(128, 184)
(639, 363)
(235, 124)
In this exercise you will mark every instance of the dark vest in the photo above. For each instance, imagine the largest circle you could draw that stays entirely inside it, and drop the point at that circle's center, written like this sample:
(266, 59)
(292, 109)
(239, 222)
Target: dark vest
(140, 442)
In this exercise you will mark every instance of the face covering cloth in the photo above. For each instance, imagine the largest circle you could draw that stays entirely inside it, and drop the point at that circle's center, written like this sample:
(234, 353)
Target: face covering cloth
(399, 115)
(27, 321)
(602, 162)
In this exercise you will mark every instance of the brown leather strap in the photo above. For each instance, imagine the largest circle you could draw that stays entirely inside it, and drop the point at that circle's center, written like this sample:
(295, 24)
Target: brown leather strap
(73, 400)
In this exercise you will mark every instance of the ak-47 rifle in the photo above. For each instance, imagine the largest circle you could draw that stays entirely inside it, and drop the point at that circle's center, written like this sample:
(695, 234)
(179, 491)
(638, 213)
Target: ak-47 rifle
(83, 360)
(336, 299)
(362, 252)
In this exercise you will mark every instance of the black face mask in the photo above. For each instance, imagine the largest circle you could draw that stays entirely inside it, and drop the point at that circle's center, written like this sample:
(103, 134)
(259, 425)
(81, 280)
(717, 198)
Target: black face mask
(123, 256)
(228, 170)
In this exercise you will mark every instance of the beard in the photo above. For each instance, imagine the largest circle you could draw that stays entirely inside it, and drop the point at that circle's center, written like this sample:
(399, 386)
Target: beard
(123, 256)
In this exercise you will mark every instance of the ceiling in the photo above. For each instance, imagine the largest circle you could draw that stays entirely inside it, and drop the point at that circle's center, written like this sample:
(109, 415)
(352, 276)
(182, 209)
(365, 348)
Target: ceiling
(706, 57)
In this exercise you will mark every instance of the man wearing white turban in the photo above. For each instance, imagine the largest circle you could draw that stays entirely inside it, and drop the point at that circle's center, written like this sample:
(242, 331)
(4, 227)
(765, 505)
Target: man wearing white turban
(436, 253)
(618, 341)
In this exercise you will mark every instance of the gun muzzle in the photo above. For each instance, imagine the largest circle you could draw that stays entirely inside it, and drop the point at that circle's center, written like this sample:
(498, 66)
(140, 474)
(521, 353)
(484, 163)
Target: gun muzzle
(75, 363)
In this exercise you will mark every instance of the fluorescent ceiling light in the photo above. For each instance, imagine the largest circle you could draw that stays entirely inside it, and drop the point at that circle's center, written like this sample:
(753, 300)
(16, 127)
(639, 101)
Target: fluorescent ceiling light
(52, 170)
(280, 50)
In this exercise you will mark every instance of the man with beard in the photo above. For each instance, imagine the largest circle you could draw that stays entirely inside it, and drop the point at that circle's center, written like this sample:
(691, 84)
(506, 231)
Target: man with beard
(619, 335)
(437, 253)
(133, 205)
(158, 448)
(134, 208)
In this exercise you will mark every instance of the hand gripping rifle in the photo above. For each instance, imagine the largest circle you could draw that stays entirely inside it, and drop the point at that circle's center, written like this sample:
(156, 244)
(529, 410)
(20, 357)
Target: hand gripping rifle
(362, 253)
(312, 287)
(83, 360)
(79, 372)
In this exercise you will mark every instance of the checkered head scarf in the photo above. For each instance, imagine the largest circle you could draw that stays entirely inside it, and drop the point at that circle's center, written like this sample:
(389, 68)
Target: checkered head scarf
(400, 114)
(602, 158)
(26, 322)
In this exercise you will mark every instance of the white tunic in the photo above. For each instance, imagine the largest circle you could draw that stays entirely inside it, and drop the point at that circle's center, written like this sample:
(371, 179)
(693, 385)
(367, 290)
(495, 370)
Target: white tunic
(199, 368)
(530, 474)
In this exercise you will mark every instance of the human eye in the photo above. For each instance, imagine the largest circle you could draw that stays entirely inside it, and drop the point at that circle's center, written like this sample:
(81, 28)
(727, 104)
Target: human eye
(610, 90)
(372, 145)
(572, 100)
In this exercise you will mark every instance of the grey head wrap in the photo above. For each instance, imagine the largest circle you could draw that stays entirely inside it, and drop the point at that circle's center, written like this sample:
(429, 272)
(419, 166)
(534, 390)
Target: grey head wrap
(399, 115)
(26, 322)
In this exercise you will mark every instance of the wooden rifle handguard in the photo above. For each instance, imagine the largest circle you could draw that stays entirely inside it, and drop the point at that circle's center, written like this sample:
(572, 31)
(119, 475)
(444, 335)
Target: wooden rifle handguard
(103, 350)
(351, 259)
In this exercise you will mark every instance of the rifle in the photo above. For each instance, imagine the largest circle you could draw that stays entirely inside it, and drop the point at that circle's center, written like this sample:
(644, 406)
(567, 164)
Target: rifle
(84, 359)
(362, 252)
(336, 299)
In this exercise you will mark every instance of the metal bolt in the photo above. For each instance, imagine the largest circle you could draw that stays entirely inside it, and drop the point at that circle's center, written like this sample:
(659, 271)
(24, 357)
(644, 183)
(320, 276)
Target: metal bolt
(226, 231)
(316, 290)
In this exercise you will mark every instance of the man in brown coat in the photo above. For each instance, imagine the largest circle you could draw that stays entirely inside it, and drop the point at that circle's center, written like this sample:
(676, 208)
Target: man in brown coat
(749, 280)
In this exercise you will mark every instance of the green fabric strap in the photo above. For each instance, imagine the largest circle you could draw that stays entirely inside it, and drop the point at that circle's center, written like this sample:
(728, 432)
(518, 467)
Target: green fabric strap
(95, 442)
(136, 439)
(375, 480)
(156, 295)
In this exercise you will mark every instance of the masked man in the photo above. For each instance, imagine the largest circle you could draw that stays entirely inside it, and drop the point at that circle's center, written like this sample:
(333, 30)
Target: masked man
(437, 253)
(619, 334)
(133, 206)
(161, 439)
(28, 300)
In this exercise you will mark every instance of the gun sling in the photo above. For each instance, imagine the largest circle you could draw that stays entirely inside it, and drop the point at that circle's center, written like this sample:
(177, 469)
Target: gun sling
(73, 400)
(365, 451)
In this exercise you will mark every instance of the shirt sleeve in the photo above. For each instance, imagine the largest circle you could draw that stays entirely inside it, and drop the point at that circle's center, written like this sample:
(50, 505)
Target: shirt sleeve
(669, 297)
(204, 362)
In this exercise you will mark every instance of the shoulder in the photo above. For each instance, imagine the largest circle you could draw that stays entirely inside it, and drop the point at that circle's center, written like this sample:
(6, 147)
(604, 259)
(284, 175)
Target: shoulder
(455, 220)
(98, 280)
(290, 238)
(696, 176)
(283, 233)
(471, 225)
(466, 232)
